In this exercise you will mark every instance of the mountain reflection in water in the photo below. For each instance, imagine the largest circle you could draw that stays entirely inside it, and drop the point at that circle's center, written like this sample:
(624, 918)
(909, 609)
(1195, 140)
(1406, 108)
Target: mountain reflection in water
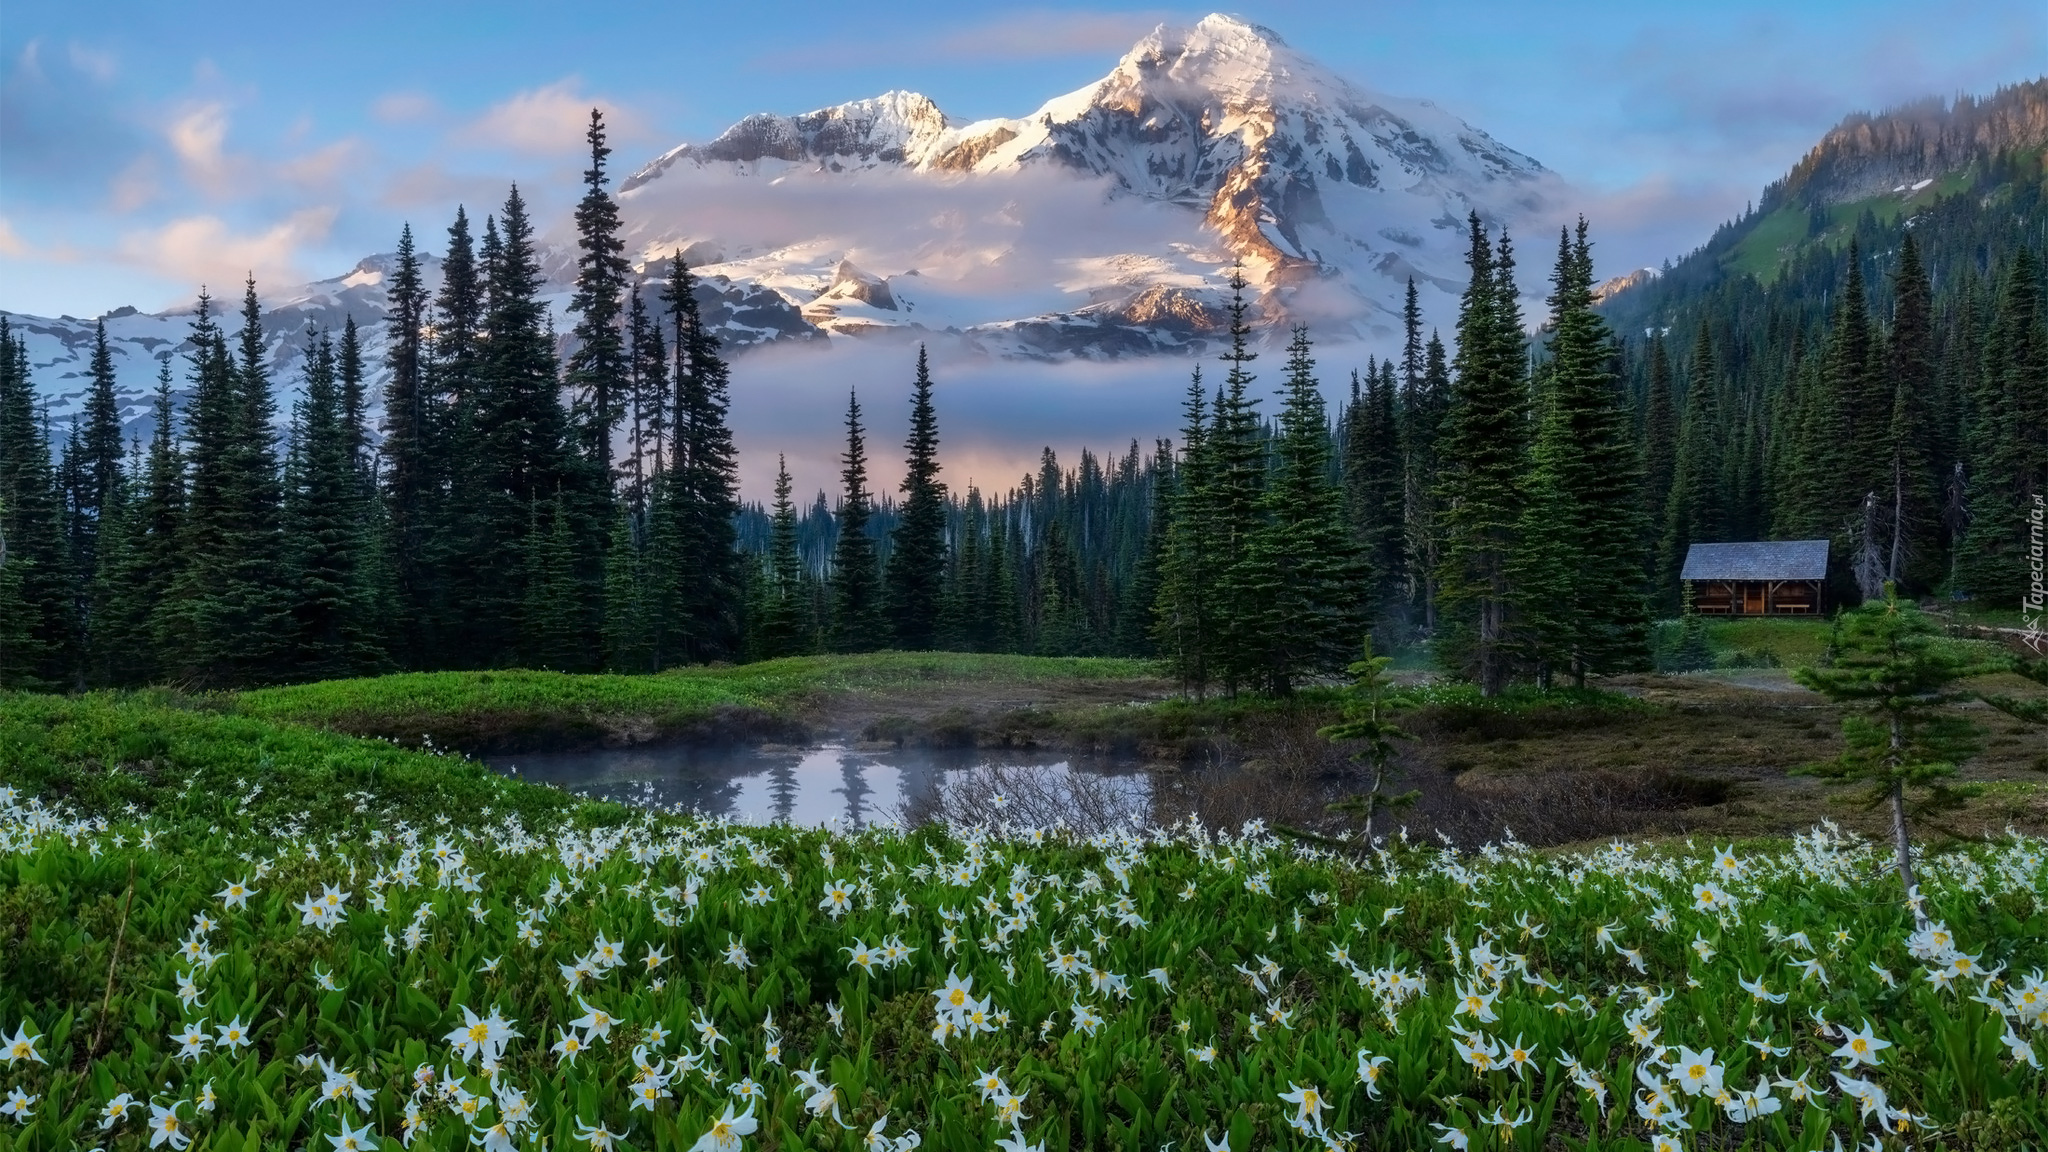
(832, 784)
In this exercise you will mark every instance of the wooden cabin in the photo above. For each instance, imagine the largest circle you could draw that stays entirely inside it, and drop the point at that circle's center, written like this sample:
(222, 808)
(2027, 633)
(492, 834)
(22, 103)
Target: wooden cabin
(1757, 578)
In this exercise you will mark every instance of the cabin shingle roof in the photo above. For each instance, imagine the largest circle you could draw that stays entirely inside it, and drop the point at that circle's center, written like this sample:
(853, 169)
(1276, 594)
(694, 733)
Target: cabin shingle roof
(1757, 560)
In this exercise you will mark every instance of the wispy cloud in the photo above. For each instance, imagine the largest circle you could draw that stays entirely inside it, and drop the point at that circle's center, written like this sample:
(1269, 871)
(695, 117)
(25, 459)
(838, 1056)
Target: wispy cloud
(11, 244)
(205, 249)
(405, 107)
(549, 120)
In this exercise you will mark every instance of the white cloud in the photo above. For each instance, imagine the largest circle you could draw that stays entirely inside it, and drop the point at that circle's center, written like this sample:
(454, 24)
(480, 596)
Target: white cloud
(548, 120)
(11, 244)
(206, 250)
(198, 138)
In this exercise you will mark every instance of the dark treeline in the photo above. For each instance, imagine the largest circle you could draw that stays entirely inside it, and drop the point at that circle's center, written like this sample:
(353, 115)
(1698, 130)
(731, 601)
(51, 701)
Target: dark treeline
(1519, 503)
(1887, 389)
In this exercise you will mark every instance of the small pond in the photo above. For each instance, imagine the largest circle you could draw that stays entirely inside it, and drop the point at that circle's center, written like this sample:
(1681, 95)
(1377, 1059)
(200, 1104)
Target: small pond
(837, 785)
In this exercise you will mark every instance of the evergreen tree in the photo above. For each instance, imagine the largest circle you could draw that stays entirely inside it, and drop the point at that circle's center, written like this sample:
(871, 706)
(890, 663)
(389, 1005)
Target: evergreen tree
(699, 563)
(519, 458)
(2005, 438)
(412, 455)
(99, 467)
(1910, 356)
(457, 558)
(1374, 477)
(627, 637)
(1693, 512)
(1301, 564)
(1483, 450)
(1660, 435)
(36, 576)
(551, 631)
(324, 539)
(597, 370)
(139, 577)
(1184, 613)
(597, 374)
(1579, 571)
(785, 610)
(857, 623)
(1236, 483)
(1135, 620)
(917, 556)
(1891, 675)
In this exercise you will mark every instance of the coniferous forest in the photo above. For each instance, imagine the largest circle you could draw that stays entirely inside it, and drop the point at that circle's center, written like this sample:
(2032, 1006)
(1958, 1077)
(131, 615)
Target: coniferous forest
(1519, 497)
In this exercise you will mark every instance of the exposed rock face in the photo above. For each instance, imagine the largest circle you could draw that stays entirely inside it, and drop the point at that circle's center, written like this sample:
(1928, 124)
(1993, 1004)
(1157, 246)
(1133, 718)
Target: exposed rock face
(1867, 155)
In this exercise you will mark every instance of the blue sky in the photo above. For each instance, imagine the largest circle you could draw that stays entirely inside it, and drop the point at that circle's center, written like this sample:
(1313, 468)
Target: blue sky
(147, 147)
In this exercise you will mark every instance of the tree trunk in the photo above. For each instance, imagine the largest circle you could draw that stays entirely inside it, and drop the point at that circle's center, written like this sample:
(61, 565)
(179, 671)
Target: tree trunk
(1902, 844)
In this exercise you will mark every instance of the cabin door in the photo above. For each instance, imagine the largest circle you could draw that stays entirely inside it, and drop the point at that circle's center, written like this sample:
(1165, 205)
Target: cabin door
(1752, 599)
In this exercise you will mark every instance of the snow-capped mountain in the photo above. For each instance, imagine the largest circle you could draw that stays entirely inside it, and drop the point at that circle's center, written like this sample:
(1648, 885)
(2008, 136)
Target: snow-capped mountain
(1105, 224)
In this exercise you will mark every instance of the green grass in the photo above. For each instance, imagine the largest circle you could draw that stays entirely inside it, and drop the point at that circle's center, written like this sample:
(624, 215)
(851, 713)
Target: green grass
(495, 709)
(179, 759)
(1792, 642)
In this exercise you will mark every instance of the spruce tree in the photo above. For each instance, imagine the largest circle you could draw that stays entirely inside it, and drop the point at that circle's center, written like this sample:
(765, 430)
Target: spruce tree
(1660, 435)
(324, 540)
(597, 370)
(857, 621)
(99, 465)
(1374, 478)
(2005, 443)
(917, 556)
(628, 644)
(785, 609)
(1579, 576)
(412, 455)
(698, 563)
(36, 602)
(1237, 452)
(1912, 555)
(1693, 512)
(1184, 614)
(597, 374)
(1483, 451)
(520, 458)
(1301, 566)
(141, 578)
(551, 629)
(446, 590)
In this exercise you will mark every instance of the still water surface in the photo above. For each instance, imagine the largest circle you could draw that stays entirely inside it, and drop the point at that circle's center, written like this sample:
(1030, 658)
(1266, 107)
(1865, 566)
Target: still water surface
(831, 784)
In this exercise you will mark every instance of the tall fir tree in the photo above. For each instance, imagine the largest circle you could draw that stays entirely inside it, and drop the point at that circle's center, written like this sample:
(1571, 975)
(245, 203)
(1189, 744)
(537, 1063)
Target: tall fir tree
(1579, 574)
(1660, 436)
(1483, 451)
(598, 376)
(325, 540)
(1375, 497)
(699, 562)
(857, 621)
(784, 628)
(412, 455)
(1237, 452)
(1184, 613)
(915, 577)
(1913, 559)
(1302, 564)
(36, 576)
(1695, 509)
(101, 447)
(520, 458)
